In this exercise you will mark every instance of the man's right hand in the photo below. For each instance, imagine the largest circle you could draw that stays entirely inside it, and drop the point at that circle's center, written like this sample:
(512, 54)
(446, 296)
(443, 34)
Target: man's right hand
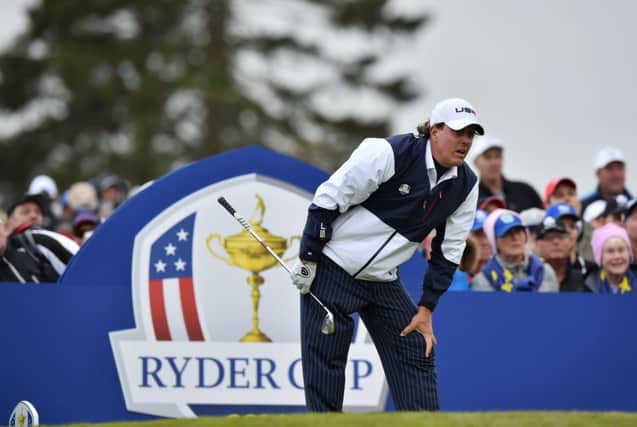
(422, 323)
(303, 274)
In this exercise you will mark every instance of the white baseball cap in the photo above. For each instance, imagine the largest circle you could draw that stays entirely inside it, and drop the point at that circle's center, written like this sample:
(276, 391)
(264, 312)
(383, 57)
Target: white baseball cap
(484, 143)
(608, 155)
(456, 113)
(594, 210)
(43, 184)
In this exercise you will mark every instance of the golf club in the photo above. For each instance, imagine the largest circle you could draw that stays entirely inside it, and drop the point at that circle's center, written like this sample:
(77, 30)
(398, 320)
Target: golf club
(327, 327)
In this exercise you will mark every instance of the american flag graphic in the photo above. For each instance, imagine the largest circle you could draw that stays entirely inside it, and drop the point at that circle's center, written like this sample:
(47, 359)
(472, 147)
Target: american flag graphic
(172, 296)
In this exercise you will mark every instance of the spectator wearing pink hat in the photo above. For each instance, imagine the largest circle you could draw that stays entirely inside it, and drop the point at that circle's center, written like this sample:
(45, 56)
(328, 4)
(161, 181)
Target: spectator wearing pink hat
(613, 254)
(512, 268)
(610, 168)
(487, 154)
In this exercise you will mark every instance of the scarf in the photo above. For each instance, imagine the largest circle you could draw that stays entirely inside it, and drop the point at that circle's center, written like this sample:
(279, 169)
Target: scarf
(625, 285)
(502, 279)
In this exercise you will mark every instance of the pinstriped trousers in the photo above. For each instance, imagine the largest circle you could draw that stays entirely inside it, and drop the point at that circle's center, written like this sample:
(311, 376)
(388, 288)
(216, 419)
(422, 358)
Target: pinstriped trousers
(386, 309)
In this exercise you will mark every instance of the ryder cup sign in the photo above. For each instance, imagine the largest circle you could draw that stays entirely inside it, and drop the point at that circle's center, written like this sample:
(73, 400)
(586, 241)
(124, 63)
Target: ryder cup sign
(217, 319)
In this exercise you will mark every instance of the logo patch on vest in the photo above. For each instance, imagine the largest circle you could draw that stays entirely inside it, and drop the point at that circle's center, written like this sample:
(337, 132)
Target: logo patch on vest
(404, 189)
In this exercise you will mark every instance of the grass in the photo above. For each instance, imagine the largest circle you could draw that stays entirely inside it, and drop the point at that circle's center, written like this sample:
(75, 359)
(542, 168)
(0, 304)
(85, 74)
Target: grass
(399, 419)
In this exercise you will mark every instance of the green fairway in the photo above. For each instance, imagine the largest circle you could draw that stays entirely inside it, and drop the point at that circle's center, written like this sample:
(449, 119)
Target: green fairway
(402, 419)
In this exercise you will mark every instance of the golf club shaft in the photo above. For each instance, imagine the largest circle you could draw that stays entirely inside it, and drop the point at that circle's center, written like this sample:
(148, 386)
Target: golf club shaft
(223, 202)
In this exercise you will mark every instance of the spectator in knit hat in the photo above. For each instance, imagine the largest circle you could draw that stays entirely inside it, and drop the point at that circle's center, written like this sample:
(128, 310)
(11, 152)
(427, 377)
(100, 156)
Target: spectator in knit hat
(512, 268)
(613, 254)
(566, 214)
(554, 247)
(610, 168)
(630, 222)
(518, 196)
(564, 190)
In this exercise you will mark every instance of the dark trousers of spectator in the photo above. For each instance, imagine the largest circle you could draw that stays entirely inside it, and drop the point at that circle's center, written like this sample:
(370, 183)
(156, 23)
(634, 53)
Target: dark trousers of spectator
(386, 310)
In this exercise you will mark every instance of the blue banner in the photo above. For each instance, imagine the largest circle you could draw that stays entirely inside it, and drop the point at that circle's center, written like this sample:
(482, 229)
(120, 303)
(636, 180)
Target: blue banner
(156, 316)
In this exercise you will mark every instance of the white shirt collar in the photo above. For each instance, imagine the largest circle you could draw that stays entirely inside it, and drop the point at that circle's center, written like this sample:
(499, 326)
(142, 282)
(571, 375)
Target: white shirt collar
(452, 172)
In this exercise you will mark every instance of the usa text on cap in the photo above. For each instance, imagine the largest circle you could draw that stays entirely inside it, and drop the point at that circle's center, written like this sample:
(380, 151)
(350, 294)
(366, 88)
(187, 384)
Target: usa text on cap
(456, 113)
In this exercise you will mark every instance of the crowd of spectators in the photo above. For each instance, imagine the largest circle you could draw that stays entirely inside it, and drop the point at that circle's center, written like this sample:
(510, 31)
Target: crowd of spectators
(41, 230)
(519, 241)
(557, 243)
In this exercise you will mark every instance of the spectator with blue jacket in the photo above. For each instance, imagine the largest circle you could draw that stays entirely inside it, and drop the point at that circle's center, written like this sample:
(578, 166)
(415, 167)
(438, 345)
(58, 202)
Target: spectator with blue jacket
(512, 268)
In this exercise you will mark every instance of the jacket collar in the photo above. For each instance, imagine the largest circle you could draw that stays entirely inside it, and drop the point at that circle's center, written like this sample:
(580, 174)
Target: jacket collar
(451, 173)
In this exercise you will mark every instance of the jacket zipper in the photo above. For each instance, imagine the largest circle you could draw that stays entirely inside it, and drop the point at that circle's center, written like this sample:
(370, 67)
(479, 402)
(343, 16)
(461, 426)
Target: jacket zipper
(369, 261)
(431, 206)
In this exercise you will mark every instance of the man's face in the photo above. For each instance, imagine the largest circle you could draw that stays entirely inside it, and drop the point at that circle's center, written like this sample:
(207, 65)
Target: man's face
(566, 193)
(489, 163)
(26, 213)
(611, 178)
(450, 147)
(554, 245)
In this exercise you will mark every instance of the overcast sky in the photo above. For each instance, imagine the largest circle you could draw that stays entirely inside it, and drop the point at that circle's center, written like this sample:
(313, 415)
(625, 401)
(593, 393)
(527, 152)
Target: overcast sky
(553, 79)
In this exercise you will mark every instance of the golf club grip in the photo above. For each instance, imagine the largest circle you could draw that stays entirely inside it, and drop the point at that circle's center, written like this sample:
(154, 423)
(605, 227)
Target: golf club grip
(223, 202)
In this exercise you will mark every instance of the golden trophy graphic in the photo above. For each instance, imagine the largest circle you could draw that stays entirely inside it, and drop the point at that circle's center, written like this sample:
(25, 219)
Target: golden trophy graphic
(248, 254)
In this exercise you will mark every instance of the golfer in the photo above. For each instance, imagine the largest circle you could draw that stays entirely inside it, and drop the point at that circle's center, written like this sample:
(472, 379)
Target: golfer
(364, 221)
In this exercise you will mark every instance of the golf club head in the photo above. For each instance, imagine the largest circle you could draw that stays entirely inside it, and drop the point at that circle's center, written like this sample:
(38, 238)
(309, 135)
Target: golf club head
(327, 327)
